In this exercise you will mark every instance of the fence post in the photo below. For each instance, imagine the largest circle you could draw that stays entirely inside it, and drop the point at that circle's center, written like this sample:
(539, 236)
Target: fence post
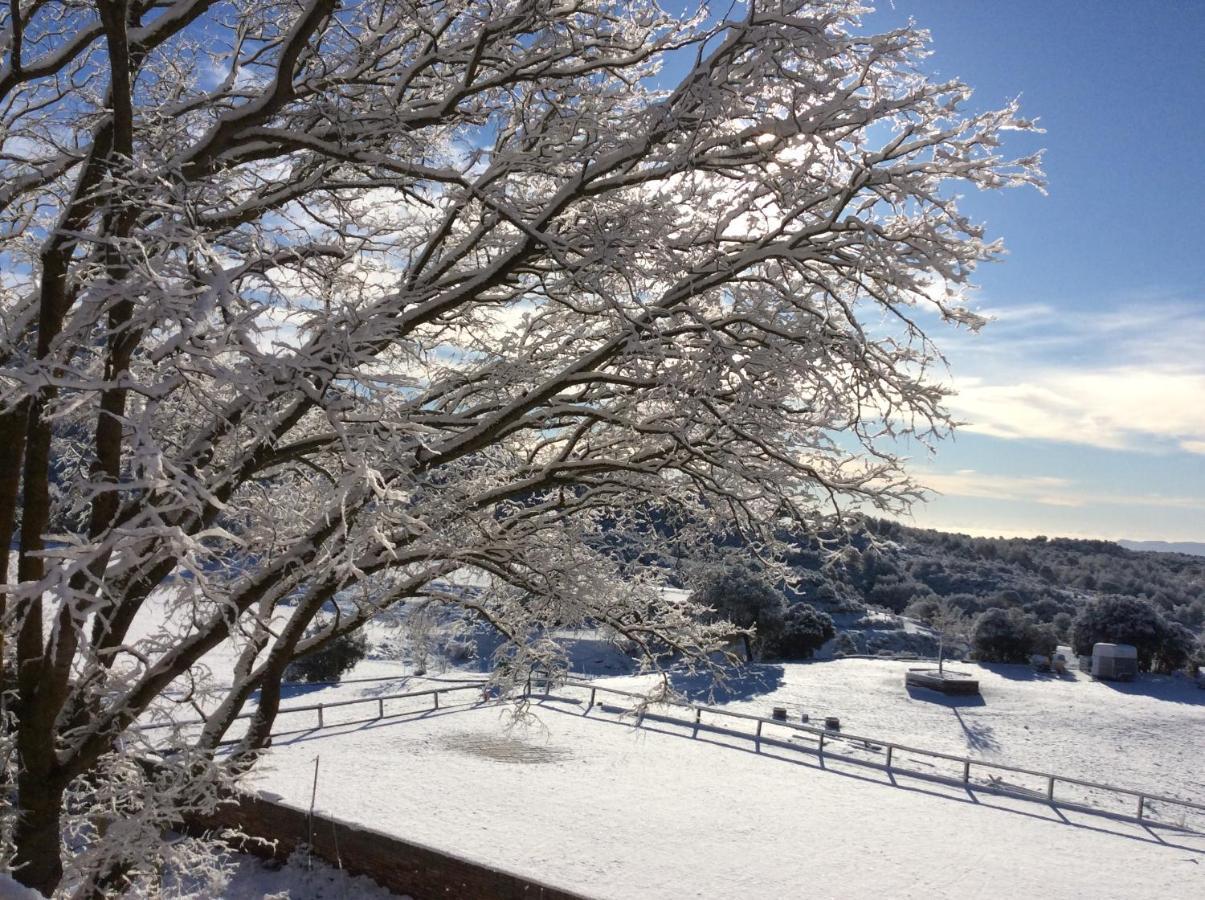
(1050, 789)
(822, 743)
(1141, 804)
(592, 693)
(320, 722)
(436, 696)
(380, 707)
(966, 772)
(698, 715)
(759, 724)
(889, 749)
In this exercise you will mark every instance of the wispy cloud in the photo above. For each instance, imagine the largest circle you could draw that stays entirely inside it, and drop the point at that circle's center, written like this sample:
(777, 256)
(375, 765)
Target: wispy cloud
(1124, 407)
(1131, 377)
(1046, 491)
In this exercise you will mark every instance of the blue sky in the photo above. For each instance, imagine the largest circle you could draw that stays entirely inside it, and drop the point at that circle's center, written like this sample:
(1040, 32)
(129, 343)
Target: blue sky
(1085, 399)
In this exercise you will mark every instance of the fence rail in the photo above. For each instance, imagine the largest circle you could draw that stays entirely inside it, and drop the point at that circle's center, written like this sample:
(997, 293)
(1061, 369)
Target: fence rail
(893, 750)
(642, 705)
(321, 708)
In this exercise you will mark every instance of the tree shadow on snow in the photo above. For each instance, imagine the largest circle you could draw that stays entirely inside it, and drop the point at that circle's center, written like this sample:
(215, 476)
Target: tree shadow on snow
(370, 723)
(979, 736)
(1168, 688)
(928, 695)
(1014, 671)
(935, 786)
(292, 689)
(737, 683)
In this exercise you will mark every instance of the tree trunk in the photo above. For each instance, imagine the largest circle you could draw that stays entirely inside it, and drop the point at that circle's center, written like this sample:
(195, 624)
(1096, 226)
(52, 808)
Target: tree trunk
(38, 862)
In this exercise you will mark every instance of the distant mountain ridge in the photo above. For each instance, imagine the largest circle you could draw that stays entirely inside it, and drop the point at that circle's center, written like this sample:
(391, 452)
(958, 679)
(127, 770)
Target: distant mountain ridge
(1192, 548)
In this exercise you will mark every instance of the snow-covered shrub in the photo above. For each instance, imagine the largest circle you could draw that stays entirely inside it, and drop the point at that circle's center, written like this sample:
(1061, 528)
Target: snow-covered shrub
(460, 650)
(922, 609)
(118, 826)
(1005, 635)
(845, 644)
(870, 623)
(848, 604)
(1177, 649)
(1062, 625)
(744, 597)
(1162, 645)
(331, 660)
(1044, 640)
(805, 629)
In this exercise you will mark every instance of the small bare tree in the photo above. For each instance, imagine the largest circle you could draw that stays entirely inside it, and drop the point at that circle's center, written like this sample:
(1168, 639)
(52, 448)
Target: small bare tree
(308, 299)
(420, 628)
(951, 625)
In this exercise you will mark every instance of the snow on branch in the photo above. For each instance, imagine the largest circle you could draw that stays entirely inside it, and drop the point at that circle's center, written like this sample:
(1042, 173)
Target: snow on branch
(312, 300)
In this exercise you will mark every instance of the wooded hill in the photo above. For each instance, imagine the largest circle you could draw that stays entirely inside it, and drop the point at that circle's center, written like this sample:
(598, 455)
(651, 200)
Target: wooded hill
(888, 564)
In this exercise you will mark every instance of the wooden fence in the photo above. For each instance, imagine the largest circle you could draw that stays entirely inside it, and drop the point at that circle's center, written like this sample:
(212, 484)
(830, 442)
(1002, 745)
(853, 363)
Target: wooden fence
(889, 756)
(319, 710)
(1146, 805)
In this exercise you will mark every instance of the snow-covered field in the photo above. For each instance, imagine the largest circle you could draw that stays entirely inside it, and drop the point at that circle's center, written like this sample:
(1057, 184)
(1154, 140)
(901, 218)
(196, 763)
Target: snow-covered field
(593, 805)
(589, 803)
(1148, 734)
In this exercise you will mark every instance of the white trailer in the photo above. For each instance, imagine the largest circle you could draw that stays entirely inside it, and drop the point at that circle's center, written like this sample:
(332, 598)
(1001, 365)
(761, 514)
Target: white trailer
(1114, 662)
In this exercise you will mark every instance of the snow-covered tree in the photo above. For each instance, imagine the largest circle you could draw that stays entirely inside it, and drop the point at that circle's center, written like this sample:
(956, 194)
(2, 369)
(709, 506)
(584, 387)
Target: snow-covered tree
(951, 625)
(805, 629)
(1161, 645)
(1005, 635)
(735, 592)
(304, 300)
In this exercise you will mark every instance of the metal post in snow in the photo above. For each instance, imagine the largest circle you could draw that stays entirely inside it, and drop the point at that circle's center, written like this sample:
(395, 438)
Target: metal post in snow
(1141, 804)
(320, 722)
(889, 749)
(380, 707)
(1050, 789)
(313, 796)
(966, 772)
(592, 693)
(436, 696)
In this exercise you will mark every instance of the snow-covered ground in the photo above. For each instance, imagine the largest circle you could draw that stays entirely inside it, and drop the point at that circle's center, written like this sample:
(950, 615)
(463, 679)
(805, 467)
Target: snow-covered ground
(1148, 734)
(589, 803)
(297, 879)
(253, 879)
(592, 805)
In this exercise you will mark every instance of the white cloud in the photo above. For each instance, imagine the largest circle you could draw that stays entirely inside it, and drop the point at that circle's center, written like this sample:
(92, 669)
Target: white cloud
(1127, 378)
(1122, 408)
(1044, 490)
